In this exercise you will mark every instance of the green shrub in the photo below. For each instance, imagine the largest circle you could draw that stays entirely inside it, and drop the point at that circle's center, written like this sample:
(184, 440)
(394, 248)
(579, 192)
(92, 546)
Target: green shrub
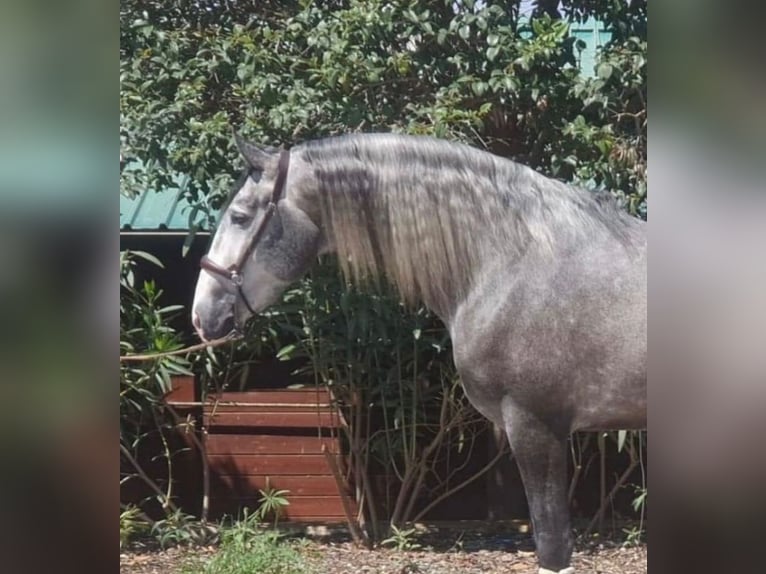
(247, 548)
(132, 524)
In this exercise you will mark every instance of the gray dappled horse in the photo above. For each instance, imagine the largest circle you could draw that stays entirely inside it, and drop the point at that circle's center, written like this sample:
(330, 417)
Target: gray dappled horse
(541, 285)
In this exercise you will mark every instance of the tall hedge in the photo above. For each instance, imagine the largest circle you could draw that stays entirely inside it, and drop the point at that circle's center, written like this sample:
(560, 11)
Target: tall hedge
(500, 75)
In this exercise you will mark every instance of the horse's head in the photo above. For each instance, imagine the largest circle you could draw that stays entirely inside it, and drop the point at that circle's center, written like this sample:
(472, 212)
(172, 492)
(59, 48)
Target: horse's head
(264, 242)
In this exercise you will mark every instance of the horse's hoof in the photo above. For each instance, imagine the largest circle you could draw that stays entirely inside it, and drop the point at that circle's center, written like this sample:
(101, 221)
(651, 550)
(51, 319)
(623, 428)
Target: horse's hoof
(567, 570)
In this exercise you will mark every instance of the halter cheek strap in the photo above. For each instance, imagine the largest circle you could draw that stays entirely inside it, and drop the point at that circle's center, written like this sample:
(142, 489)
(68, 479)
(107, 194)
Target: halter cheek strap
(233, 273)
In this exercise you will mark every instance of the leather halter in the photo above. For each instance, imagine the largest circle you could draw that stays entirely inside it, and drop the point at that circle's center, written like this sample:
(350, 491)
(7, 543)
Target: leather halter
(233, 273)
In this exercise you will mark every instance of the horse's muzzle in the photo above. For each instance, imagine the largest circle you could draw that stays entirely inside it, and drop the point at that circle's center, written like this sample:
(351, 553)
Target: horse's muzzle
(212, 327)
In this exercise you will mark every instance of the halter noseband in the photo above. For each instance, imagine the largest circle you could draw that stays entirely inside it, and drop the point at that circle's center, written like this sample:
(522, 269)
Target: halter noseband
(234, 272)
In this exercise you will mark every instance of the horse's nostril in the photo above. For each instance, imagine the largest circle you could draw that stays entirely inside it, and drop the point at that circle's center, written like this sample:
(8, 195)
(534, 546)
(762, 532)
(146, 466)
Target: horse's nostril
(209, 328)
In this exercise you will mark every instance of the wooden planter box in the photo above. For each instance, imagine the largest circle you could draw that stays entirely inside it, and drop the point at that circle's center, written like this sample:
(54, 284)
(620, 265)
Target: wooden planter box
(274, 439)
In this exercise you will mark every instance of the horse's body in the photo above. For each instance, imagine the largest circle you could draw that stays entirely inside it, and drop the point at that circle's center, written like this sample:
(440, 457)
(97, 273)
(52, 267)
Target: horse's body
(541, 285)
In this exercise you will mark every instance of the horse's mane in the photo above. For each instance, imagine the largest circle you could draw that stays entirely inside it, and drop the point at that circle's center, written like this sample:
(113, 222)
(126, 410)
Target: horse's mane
(426, 212)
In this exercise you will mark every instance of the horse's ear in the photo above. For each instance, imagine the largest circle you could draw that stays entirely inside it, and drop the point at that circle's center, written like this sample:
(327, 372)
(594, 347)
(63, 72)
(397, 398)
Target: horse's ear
(255, 155)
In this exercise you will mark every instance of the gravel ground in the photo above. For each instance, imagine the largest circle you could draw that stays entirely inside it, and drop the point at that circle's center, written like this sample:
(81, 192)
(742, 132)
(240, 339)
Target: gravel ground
(444, 551)
(331, 559)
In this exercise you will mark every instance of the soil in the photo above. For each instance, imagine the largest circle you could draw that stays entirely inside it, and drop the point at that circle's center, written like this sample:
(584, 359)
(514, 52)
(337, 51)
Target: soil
(442, 551)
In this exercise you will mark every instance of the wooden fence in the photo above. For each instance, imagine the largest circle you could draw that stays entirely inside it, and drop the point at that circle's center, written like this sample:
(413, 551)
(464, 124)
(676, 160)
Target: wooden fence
(281, 439)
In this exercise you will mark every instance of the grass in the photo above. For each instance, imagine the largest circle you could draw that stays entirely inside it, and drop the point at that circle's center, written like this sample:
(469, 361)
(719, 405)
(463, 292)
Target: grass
(265, 553)
(246, 548)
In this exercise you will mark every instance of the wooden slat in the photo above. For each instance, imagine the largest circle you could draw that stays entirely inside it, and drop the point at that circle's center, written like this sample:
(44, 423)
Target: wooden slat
(248, 485)
(182, 389)
(300, 506)
(240, 464)
(292, 396)
(268, 444)
(315, 520)
(321, 520)
(309, 419)
(213, 409)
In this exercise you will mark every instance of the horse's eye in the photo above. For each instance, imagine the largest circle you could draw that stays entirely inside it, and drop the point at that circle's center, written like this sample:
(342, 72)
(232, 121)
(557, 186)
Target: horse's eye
(238, 218)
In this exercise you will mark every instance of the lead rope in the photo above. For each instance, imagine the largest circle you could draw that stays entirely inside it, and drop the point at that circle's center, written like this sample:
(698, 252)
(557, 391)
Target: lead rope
(185, 350)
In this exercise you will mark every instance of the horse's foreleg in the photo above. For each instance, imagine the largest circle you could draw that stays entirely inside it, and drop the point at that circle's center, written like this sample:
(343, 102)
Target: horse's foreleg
(542, 458)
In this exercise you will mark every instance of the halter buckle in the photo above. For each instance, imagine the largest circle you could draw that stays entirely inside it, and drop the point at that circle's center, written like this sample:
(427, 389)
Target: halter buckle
(236, 279)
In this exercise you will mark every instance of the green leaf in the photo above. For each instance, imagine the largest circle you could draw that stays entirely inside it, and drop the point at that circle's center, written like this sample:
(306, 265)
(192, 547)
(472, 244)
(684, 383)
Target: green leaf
(511, 83)
(621, 436)
(604, 71)
(479, 88)
(284, 353)
(492, 39)
(464, 32)
(171, 309)
(148, 257)
(492, 53)
(189, 239)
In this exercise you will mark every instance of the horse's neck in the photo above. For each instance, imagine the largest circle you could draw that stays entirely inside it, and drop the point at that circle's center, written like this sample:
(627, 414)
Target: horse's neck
(417, 242)
(433, 239)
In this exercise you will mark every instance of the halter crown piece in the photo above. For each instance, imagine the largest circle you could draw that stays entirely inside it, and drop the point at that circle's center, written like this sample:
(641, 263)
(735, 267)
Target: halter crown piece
(233, 273)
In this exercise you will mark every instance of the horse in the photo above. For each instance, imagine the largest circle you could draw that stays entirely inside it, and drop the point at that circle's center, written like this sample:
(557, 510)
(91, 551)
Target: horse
(540, 284)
